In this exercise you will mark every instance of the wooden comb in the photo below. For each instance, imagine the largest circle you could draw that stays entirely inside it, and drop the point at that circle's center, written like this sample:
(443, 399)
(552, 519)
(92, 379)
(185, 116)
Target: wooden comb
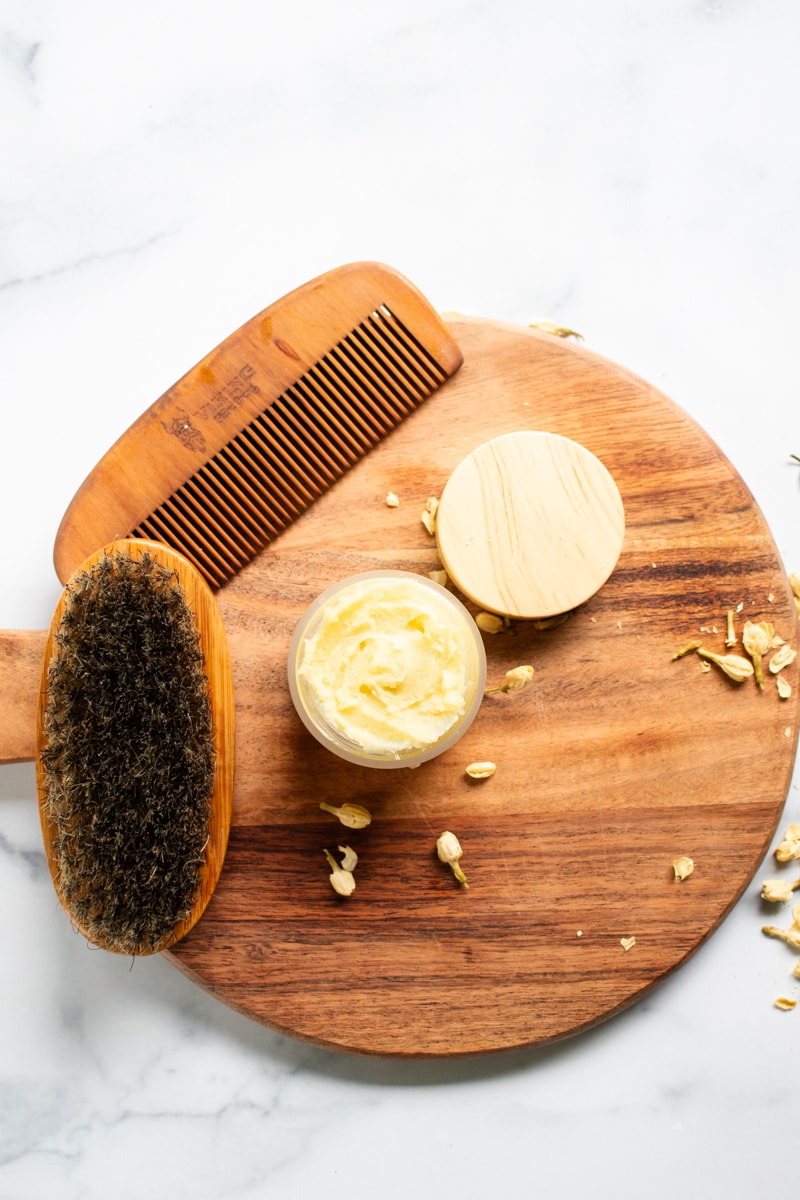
(265, 423)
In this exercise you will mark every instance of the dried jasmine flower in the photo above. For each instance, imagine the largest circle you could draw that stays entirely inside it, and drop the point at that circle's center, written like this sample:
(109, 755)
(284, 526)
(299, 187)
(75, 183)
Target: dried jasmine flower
(783, 657)
(734, 666)
(789, 847)
(481, 770)
(683, 867)
(515, 679)
(351, 815)
(429, 515)
(489, 622)
(545, 326)
(784, 687)
(392, 501)
(756, 639)
(694, 644)
(790, 936)
(342, 880)
(627, 943)
(778, 891)
(448, 850)
(794, 583)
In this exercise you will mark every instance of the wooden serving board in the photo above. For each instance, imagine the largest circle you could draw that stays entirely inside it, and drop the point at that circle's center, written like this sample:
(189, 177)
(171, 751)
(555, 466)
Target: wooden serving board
(613, 762)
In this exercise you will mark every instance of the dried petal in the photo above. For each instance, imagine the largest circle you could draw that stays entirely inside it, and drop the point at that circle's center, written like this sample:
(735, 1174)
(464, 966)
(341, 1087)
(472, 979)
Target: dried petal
(349, 858)
(790, 936)
(489, 622)
(627, 943)
(683, 866)
(351, 815)
(392, 501)
(784, 687)
(778, 891)
(448, 849)
(785, 1003)
(782, 658)
(342, 881)
(756, 640)
(439, 577)
(429, 515)
(794, 583)
(734, 666)
(796, 969)
(481, 770)
(790, 845)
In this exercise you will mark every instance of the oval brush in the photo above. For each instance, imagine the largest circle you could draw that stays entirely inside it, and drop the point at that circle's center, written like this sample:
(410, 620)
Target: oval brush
(134, 761)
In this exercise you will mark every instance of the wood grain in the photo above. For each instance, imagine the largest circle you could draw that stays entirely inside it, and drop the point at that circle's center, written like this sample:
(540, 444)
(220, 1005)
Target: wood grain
(213, 644)
(613, 762)
(21, 653)
(530, 525)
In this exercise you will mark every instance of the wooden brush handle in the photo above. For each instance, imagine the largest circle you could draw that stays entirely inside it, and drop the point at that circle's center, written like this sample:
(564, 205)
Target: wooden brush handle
(21, 656)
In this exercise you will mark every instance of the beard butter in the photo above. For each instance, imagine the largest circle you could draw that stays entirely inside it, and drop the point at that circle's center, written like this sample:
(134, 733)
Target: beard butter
(388, 667)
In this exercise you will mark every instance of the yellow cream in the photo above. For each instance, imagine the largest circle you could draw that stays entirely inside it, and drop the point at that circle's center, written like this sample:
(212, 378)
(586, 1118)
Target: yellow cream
(388, 665)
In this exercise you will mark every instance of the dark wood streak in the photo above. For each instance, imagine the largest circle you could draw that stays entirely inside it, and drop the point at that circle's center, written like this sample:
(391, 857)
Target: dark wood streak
(612, 763)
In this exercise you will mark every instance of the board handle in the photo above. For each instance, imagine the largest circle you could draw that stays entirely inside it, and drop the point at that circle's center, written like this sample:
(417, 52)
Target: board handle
(21, 657)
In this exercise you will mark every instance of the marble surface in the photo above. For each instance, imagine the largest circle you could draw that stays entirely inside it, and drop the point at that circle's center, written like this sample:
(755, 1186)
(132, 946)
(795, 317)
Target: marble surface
(630, 170)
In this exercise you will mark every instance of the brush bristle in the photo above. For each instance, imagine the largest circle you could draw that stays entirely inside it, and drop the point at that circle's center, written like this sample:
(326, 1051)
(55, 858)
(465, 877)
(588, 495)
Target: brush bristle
(128, 757)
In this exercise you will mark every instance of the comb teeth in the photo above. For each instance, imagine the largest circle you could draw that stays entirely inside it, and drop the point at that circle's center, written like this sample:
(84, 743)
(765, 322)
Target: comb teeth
(292, 452)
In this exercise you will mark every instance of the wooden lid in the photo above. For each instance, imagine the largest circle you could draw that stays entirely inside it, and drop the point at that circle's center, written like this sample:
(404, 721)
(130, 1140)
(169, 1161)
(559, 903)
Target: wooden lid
(530, 525)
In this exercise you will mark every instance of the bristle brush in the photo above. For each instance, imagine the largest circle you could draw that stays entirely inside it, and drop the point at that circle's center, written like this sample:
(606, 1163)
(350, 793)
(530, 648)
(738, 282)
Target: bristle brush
(266, 423)
(134, 761)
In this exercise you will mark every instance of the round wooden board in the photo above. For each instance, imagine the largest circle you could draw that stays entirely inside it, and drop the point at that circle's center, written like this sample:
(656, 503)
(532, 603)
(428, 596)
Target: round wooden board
(614, 761)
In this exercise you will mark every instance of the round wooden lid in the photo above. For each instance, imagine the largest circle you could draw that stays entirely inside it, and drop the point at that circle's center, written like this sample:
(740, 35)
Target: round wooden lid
(530, 525)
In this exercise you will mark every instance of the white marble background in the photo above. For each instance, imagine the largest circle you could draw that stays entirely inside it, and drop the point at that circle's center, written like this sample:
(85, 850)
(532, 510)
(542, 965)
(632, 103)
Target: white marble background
(166, 170)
